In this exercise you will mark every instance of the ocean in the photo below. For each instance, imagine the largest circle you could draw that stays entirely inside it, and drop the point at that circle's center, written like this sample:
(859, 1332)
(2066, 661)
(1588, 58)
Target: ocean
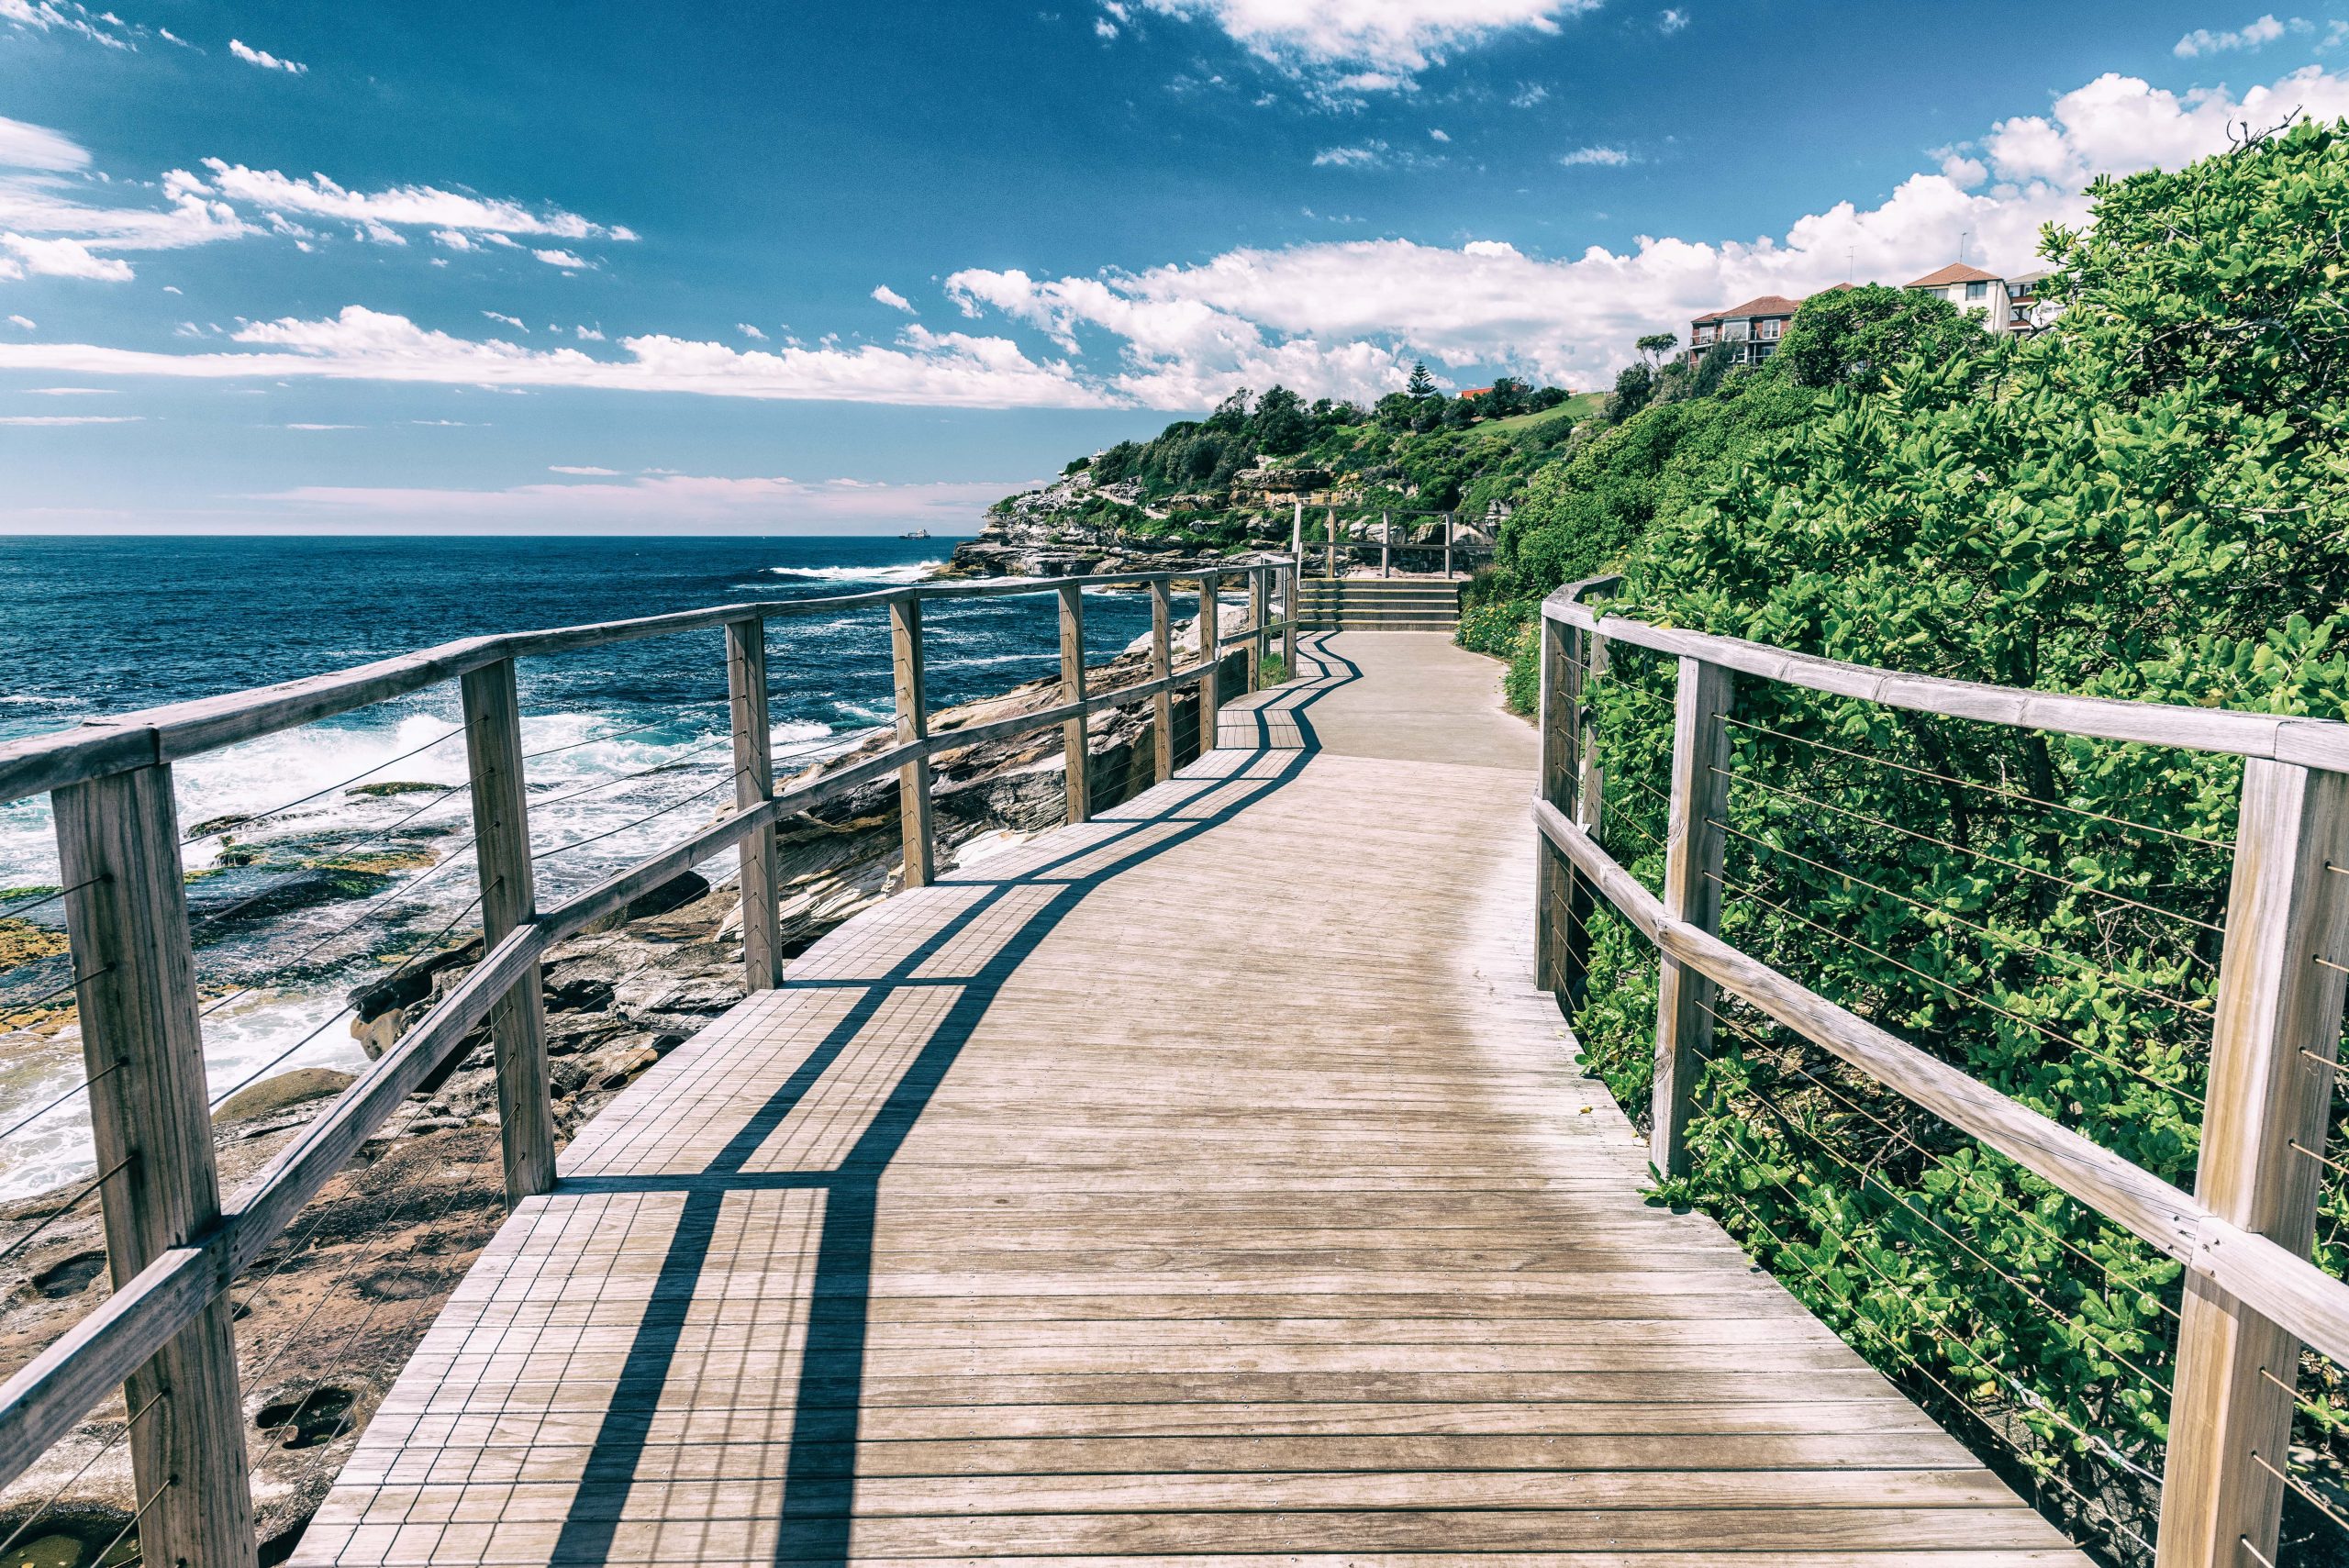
(320, 857)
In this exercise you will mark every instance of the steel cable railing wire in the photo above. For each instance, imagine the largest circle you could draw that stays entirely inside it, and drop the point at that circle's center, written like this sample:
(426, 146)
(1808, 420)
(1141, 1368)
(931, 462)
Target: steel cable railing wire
(246, 821)
(1908, 1361)
(111, 1068)
(68, 1207)
(26, 1525)
(14, 910)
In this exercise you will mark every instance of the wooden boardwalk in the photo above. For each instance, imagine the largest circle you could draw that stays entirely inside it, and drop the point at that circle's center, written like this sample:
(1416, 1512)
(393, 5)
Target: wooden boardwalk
(1206, 1181)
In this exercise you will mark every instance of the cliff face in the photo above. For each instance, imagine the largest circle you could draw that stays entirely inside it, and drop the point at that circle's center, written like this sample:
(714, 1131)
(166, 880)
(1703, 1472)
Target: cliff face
(1072, 527)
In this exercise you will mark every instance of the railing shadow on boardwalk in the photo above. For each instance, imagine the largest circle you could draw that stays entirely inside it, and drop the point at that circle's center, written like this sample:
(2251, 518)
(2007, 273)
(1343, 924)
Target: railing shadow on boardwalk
(819, 1478)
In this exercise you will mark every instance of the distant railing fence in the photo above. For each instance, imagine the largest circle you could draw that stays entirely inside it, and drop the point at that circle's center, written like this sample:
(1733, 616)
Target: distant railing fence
(2252, 1299)
(174, 1247)
(1458, 551)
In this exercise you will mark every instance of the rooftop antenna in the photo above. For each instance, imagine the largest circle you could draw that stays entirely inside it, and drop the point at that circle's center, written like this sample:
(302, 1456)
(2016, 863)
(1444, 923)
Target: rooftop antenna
(1963, 235)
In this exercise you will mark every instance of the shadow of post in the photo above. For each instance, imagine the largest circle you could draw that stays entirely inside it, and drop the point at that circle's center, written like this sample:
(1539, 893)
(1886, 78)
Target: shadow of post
(820, 1474)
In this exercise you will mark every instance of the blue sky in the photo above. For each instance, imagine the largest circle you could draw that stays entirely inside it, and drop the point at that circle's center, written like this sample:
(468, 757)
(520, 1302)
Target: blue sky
(588, 266)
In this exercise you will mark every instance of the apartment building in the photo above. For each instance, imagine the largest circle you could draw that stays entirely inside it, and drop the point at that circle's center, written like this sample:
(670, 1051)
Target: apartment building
(1752, 329)
(2008, 305)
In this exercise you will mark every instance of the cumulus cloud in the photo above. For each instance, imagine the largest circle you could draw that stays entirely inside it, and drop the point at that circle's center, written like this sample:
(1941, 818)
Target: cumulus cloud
(570, 262)
(1368, 155)
(2253, 35)
(926, 368)
(1369, 45)
(749, 332)
(893, 299)
(21, 256)
(1671, 20)
(266, 60)
(47, 419)
(1346, 319)
(1605, 157)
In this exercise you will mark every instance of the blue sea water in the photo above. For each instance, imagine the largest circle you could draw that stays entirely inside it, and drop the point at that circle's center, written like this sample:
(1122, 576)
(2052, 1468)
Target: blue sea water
(91, 626)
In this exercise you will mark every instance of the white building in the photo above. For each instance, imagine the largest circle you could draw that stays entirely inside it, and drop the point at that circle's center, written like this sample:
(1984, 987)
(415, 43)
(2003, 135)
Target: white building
(2008, 305)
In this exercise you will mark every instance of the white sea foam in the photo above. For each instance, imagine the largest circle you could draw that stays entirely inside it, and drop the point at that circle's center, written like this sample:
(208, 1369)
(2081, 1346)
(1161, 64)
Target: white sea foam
(604, 793)
(911, 572)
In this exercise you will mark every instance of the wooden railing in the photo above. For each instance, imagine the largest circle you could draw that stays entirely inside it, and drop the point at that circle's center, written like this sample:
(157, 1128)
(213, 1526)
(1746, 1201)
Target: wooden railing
(174, 1245)
(2251, 1298)
(1458, 553)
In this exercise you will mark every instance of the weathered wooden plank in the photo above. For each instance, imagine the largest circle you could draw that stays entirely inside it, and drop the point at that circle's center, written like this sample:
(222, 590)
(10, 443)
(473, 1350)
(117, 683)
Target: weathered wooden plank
(746, 685)
(917, 866)
(1078, 777)
(508, 900)
(1161, 669)
(1694, 842)
(142, 1045)
(2275, 1026)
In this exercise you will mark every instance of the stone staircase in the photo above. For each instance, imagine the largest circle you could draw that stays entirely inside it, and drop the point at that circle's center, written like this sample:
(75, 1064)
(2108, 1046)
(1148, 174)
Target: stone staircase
(1379, 604)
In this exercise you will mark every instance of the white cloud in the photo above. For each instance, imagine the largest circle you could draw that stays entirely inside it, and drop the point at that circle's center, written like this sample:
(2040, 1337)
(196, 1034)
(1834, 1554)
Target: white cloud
(1383, 43)
(2253, 35)
(1436, 135)
(596, 500)
(954, 369)
(322, 427)
(1605, 157)
(566, 260)
(452, 215)
(44, 16)
(592, 472)
(1671, 20)
(1368, 155)
(893, 299)
(25, 146)
(68, 391)
(266, 60)
(1344, 318)
(749, 332)
(513, 321)
(589, 334)
(21, 256)
(27, 322)
(70, 419)
(1527, 95)
(1103, 28)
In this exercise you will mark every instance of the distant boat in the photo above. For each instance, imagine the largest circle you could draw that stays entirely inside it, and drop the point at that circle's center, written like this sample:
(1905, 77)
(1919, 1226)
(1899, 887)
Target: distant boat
(915, 533)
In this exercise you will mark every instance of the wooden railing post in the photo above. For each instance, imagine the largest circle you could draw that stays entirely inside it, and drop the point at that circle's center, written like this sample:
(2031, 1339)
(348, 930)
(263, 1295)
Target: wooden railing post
(913, 724)
(1296, 530)
(1161, 665)
(508, 898)
(1211, 656)
(143, 1048)
(2276, 1028)
(1692, 891)
(1259, 640)
(1555, 940)
(746, 685)
(1080, 792)
(1386, 545)
(1447, 546)
(1290, 614)
(1329, 561)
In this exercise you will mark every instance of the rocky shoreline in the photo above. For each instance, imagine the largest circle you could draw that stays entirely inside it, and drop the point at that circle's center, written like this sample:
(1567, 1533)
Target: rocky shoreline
(1063, 528)
(330, 1314)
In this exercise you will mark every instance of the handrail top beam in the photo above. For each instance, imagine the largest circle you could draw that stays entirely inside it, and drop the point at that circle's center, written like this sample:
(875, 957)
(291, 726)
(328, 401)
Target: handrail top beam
(2307, 742)
(150, 737)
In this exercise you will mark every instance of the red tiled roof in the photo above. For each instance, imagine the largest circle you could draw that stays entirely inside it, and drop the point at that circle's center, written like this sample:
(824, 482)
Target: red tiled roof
(1955, 272)
(1475, 390)
(1765, 306)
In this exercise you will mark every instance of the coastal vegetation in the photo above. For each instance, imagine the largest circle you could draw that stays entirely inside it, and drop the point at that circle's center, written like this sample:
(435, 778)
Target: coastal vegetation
(2146, 501)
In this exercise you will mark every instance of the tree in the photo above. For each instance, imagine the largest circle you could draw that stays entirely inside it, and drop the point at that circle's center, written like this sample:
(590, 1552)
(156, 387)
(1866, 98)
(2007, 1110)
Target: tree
(1506, 396)
(1634, 385)
(1655, 346)
(1230, 415)
(1856, 334)
(1280, 426)
(1421, 386)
